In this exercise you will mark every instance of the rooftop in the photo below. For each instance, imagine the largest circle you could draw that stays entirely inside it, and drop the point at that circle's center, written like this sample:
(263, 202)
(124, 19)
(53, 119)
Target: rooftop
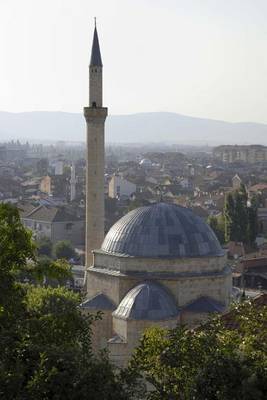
(50, 214)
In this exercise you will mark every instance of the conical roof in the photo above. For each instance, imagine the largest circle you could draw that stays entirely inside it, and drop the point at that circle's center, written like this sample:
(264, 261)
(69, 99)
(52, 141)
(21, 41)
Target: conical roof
(96, 60)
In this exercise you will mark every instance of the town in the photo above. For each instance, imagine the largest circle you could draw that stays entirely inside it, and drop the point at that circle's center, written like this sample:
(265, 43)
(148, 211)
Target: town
(133, 201)
(47, 184)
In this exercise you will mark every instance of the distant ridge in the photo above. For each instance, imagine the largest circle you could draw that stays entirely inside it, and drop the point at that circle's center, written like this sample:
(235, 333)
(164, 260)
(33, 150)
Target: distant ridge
(134, 128)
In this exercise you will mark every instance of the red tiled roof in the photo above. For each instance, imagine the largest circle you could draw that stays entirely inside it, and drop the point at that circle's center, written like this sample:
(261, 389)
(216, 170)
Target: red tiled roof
(258, 187)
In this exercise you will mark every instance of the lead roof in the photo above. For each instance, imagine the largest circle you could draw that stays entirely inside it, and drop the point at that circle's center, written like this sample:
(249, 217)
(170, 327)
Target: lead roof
(96, 60)
(147, 301)
(162, 230)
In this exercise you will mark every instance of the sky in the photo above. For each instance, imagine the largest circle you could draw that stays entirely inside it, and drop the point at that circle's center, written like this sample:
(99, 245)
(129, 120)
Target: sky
(204, 58)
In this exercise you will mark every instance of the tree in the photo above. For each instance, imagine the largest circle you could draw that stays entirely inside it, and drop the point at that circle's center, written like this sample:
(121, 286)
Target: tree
(229, 218)
(213, 362)
(252, 221)
(64, 249)
(217, 225)
(45, 340)
(44, 247)
(45, 271)
(240, 217)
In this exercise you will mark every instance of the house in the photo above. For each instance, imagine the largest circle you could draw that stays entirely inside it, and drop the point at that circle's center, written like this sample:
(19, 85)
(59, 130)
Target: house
(56, 185)
(120, 187)
(55, 223)
(254, 272)
(236, 182)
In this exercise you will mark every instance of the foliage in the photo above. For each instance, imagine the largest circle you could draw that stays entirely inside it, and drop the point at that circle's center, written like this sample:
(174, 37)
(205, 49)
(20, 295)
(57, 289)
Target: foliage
(45, 340)
(44, 247)
(253, 220)
(217, 225)
(16, 246)
(212, 362)
(64, 249)
(229, 218)
(45, 271)
(240, 219)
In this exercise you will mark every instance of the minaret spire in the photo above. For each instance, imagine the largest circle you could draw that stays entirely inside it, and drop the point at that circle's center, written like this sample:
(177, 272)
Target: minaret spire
(96, 60)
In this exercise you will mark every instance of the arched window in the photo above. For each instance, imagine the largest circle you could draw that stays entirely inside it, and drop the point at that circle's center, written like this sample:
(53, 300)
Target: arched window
(94, 104)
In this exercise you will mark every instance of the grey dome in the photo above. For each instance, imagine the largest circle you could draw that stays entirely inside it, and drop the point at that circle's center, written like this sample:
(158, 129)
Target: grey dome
(147, 301)
(162, 230)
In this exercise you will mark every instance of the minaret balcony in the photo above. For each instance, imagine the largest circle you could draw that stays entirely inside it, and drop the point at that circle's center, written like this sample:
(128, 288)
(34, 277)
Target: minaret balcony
(93, 114)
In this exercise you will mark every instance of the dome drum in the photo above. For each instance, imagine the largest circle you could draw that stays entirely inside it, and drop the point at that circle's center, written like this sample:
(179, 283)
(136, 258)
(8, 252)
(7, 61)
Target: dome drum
(169, 268)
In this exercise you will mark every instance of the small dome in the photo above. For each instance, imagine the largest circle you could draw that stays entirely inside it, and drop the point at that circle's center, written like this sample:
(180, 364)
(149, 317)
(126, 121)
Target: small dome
(98, 302)
(147, 301)
(145, 162)
(162, 230)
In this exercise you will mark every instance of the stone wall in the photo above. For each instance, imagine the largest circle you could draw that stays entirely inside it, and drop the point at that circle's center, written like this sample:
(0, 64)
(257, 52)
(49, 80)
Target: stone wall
(130, 331)
(186, 279)
(162, 265)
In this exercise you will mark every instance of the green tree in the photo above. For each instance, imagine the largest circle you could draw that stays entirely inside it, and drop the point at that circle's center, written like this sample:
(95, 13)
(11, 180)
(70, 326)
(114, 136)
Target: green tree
(64, 249)
(44, 247)
(252, 221)
(44, 271)
(217, 225)
(45, 340)
(212, 362)
(240, 218)
(229, 218)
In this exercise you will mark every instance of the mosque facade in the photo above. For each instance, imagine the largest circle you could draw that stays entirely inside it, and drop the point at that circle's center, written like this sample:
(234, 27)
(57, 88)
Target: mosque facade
(159, 265)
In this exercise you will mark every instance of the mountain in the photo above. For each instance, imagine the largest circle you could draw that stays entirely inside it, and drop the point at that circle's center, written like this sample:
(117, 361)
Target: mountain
(41, 126)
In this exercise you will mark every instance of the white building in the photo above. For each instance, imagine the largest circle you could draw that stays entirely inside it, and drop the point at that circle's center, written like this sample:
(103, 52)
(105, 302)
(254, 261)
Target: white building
(59, 167)
(120, 187)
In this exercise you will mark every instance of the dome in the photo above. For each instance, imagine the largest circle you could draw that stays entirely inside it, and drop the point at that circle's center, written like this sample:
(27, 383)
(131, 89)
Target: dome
(147, 301)
(145, 162)
(161, 230)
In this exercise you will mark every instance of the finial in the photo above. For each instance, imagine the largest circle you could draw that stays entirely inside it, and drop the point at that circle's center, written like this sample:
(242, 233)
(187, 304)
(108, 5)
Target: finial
(95, 21)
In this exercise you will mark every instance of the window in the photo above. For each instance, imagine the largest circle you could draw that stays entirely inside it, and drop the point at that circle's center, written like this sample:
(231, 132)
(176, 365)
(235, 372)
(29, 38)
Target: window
(69, 226)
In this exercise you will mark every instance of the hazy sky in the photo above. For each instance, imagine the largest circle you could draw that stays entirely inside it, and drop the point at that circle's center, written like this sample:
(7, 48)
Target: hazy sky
(205, 58)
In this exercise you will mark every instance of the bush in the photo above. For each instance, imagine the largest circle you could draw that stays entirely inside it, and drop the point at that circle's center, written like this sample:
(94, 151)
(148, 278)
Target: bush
(64, 249)
(44, 247)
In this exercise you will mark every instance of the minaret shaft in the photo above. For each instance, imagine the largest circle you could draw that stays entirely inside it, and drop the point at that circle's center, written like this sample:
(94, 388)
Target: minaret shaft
(95, 116)
(95, 87)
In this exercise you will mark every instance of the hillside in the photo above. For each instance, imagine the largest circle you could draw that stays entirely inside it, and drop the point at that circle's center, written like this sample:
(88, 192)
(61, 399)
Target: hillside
(133, 128)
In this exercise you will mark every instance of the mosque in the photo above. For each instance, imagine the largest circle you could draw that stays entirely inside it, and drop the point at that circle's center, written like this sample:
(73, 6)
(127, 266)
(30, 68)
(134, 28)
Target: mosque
(159, 265)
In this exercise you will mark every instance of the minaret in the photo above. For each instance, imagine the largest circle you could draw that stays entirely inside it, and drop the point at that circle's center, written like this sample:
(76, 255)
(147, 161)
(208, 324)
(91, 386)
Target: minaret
(95, 116)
